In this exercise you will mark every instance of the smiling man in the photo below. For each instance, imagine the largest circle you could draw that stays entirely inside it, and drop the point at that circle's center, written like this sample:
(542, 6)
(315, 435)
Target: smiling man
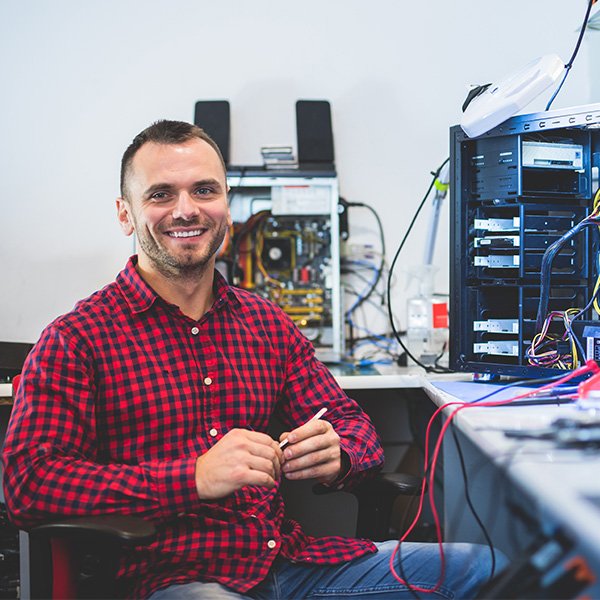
(174, 196)
(153, 397)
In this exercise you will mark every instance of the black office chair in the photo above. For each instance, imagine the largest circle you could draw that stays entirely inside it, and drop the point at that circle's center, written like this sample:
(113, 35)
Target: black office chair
(78, 558)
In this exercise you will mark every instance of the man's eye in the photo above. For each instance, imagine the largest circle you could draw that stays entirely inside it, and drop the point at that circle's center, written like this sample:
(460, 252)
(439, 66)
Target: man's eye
(203, 191)
(159, 196)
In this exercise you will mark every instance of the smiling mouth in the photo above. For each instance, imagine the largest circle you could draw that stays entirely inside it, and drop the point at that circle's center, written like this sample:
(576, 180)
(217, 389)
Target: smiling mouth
(186, 234)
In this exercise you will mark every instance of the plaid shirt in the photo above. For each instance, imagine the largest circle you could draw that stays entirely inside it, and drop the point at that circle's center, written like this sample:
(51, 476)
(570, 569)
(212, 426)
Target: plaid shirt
(120, 396)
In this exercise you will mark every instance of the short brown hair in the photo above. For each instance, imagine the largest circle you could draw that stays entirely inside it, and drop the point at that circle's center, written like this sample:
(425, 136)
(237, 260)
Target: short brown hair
(164, 132)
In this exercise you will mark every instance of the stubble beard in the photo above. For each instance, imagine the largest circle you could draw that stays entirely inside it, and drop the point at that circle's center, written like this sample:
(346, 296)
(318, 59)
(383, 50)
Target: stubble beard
(187, 265)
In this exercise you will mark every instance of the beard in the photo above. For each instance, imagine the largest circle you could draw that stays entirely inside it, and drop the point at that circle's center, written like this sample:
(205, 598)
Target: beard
(190, 261)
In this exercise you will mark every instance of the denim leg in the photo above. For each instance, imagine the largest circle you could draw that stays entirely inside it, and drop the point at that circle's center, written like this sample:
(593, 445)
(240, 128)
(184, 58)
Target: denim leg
(196, 590)
(468, 567)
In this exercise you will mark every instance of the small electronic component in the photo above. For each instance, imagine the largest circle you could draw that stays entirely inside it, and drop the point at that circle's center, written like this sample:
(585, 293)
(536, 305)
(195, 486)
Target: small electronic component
(498, 348)
(591, 335)
(495, 241)
(510, 326)
(552, 155)
(497, 261)
(497, 224)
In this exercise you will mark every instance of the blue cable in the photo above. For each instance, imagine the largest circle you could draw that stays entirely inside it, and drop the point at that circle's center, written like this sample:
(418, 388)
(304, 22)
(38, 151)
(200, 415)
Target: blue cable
(362, 295)
(515, 384)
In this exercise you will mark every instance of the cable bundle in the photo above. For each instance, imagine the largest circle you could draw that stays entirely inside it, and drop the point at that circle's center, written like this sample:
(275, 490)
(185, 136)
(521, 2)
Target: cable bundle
(549, 349)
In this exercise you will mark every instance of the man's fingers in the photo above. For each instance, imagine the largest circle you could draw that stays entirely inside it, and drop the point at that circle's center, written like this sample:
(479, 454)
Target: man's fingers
(314, 454)
(312, 459)
(271, 452)
(320, 438)
(306, 469)
(308, 430)
(266, 465)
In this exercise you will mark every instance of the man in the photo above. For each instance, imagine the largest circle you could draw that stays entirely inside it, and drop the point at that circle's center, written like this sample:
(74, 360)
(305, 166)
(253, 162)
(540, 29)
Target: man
(152, 397)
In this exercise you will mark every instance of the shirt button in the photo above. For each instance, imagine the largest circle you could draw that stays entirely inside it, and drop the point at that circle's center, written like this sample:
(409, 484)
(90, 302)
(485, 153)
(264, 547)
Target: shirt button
(195, 331)
(207, 381)
(213, 432)
(271, 544)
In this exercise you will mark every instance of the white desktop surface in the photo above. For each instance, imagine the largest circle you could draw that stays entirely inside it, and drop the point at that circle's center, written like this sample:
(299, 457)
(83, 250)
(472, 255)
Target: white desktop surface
(389, 377)
(558, 480)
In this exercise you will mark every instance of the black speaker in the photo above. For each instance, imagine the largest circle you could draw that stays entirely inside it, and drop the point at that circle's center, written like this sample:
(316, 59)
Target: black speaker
(314, 133)
(213, 117)
(12, 357)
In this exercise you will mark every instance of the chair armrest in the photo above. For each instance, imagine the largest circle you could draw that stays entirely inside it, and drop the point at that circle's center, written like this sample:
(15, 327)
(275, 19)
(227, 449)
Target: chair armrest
(394, 484)
(126, 530)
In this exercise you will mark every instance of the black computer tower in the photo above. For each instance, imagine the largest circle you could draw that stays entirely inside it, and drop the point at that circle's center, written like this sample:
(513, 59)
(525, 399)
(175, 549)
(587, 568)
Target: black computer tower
(514, 192)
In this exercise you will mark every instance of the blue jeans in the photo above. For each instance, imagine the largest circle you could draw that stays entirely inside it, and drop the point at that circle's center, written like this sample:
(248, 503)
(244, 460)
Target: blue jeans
(468, 567)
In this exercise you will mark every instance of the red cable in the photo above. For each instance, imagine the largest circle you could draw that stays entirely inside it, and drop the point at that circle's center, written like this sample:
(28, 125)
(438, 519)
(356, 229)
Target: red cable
(590, 366)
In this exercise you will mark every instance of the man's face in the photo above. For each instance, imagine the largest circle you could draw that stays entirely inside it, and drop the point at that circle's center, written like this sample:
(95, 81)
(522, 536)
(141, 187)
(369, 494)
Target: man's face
(177, 206)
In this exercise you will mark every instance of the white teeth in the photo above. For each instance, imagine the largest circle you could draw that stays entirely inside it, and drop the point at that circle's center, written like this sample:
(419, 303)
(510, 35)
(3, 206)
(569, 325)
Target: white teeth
(184, 234)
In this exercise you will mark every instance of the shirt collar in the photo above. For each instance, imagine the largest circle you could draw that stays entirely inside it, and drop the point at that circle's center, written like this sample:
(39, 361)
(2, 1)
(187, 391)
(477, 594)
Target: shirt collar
(223, 291)
(140, 296)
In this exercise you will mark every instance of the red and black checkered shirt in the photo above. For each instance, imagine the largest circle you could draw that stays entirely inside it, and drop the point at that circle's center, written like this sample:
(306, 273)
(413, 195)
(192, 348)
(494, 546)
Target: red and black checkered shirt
(120, 396)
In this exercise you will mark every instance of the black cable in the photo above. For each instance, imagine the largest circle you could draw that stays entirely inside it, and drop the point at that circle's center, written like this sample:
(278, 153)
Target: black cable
(436, 362)
(382, 238)
(358, 275)
(463, 469)
(427, 368)
(588, 305)
(546, 268)
(570, 63)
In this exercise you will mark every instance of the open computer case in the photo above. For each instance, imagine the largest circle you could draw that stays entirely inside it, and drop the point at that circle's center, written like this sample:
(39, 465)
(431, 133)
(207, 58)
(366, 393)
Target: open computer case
(515, 192)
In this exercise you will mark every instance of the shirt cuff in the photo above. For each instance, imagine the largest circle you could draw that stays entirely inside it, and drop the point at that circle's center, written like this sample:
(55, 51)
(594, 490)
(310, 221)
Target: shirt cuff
(176, 486)
(345, 471)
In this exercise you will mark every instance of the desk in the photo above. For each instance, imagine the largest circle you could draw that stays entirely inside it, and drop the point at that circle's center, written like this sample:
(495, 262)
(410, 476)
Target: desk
(523, 489)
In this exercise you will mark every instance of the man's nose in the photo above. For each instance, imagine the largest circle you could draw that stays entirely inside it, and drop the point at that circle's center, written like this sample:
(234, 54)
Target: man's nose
(185, 208)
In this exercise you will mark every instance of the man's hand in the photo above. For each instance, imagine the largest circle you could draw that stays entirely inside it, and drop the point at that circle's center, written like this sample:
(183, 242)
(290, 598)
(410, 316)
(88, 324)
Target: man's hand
(239, 458)
(313, 451)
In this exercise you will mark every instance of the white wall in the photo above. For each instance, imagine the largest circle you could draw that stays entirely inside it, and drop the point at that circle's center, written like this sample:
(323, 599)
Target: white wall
(80, 79)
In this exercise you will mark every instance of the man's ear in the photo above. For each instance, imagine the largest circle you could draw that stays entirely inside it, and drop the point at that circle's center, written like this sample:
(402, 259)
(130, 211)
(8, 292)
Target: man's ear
(124, 216)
